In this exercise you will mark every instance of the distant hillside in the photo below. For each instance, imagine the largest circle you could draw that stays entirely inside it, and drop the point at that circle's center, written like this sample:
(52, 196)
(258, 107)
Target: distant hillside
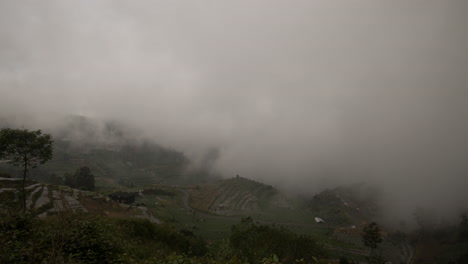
(126, 165)
(352, 204)
(236, 196)
(115, 156)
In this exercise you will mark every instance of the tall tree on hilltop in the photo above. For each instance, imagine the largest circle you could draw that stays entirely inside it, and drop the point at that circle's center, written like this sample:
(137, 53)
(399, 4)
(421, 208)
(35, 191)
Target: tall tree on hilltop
(84, 179)
(372, 237)
(26, 149)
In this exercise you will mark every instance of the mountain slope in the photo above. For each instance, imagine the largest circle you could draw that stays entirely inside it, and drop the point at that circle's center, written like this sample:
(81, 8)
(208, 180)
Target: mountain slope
(45, 199)
(236, 196)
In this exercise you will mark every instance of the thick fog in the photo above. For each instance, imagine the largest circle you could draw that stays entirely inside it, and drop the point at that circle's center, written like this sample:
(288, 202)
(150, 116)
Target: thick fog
(299, 94)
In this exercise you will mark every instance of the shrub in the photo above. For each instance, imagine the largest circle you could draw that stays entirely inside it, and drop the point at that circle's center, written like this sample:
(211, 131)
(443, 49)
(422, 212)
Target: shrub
(82, 237)
(256, 242)
(59, 239)
(146, 240)
(16, 232)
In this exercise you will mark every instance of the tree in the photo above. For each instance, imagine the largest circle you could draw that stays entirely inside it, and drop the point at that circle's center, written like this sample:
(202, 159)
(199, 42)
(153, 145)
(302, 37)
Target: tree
(371, 238)
(26, 149)
(82, 179)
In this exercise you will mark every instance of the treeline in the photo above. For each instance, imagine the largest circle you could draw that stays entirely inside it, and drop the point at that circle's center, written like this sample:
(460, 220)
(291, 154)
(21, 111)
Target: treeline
(452, 239)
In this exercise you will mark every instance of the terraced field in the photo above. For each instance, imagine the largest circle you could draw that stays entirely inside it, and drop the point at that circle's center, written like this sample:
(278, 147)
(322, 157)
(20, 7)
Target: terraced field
(236, 196)
(44, 200)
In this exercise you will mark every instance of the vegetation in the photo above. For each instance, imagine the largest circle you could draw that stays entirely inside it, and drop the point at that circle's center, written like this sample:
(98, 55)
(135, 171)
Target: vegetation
(444, 243)
(82, 179)
(83, 238)
(60, 239)
(254, 242)
(139, 241)
(372, 237)
(26, 149)
(201, 223)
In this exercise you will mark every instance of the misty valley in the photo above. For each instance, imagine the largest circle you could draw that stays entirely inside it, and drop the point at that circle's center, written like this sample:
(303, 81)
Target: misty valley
(234, 132)
(124, 200)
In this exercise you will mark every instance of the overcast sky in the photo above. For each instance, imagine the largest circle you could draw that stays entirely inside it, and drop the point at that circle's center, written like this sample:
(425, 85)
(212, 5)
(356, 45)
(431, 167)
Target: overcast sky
(302, 94)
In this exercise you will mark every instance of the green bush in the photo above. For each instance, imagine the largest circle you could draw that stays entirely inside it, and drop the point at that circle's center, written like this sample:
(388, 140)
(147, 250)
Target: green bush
(82, 238)
(147, 236)
(255, 242)
(60, 239)
(16, 232)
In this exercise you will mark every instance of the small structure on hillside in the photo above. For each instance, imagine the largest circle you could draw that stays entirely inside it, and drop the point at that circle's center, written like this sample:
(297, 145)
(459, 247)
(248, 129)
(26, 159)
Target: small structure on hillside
(123, 197)
(319, 220)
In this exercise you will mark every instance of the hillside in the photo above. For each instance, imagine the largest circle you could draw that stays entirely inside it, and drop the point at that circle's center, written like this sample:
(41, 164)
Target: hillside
(236, 196)
(188, 201)
(343, 206)
(354, 204)
(116, 156)
(44, 200)
(211, 212)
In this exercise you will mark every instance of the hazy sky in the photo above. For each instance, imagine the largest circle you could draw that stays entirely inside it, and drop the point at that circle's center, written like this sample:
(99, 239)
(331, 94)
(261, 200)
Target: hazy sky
(304, 94)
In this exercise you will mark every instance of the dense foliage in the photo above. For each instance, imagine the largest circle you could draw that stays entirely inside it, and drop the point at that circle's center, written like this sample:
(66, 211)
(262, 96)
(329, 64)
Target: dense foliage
(64, 238)
(83, 238)
(254, 242)
(372, 236)
(25, 149)
(22, 147)
(82, 179)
